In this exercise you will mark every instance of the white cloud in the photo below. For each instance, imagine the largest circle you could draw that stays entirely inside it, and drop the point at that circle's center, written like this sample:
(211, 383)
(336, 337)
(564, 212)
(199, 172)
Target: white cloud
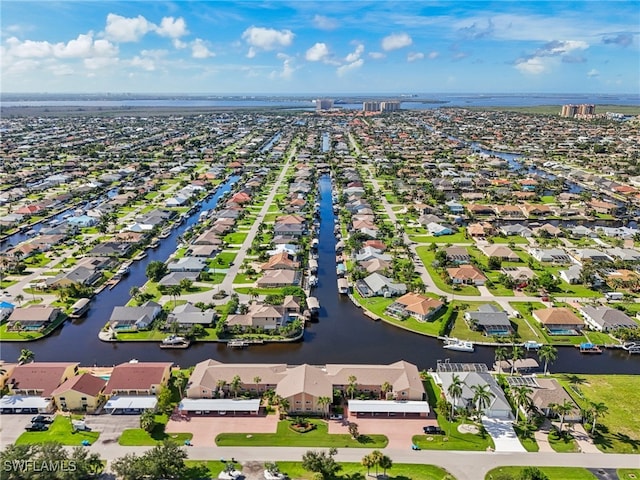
(82, 47)
(172, 27)
(344, 69)
(96, 63)
(414, 56)
(593, 73)
(376, 55)
(288, 68)
(396, 41)
(123, 29)
(533, 66)
(199, 49)
(325, 23)
(145, 63)
(355, 55)
(61, 70)
(259, 38)
(179, 44)
(319, 52)
(28, 48)
(433, 55)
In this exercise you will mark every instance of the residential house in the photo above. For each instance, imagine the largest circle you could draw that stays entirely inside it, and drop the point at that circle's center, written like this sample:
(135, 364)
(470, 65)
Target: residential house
(454, 207)
(420, 307)
(466, 275)
(376, 265)
(32, 318)
(572, 275)
(548, 230)
(622, 278)
(279, 278)
(559, 320)
(480, 229)
(624, 254)
(550, 255)
(80, 393)
(547, 392)
(598, 206)
(134, 318)
(281, 261)
(437, 229)
(377, 285)
(520, 275)
(187, 315)
(592, 254)
(187, 264)
(174, 278)
(490, 319)
(605, 319)
(516, 229)
(265, 316)
(502, 252)
(458, 255)
(133, 386)
(78, 276)
(371, 253)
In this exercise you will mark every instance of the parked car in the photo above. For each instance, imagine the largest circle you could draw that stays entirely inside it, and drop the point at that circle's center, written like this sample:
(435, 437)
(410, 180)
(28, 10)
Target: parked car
(36, 427)
(41, 419)
(432, 430)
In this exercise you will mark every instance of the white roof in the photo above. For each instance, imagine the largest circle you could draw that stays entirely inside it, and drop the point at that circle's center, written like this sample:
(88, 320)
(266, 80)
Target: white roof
(385, 406)
(220, 404)
(20, 401)
(131, 402)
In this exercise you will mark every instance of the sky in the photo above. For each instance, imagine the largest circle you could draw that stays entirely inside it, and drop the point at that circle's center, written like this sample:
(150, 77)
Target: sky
(320, 47)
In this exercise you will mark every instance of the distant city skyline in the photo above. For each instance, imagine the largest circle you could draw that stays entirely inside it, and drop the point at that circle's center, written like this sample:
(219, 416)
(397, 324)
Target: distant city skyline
(298, 47)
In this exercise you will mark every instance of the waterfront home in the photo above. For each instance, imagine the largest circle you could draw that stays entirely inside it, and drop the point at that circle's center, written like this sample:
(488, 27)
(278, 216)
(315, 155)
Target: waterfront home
(548, 230)
(371, 253)
(545, 393)
(79, 393)
(187, 264)
(420, 307)
(455, 207)
(261, 315)
(377, 285)
(187, 315)
(281, 261)
(598, 206)
(516, 229)
(466, 275)
(32, 318)
(134, 318)
(605, 319)
(490, 319)
(111, 249)
(502, 252)
(208, 237)
(292, 230)
(559, 320)
(480, 229)
(174, 278)
(77, 276)
(133, 386)
(550, 255)
(376, 265)
(580, 231)
(498, 405)
(279, 278)
(508, 211)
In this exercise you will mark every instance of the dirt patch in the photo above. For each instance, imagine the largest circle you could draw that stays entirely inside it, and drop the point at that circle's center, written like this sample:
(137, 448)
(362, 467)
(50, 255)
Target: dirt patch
(467, 428)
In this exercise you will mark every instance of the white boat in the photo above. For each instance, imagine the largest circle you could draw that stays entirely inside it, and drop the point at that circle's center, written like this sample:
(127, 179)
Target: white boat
(174, 340)
(632, 347)
(313, 281)
(531, 345)
(458, 345)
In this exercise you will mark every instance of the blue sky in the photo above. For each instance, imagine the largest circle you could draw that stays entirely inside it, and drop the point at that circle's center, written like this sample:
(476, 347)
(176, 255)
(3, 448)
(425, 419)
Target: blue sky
(320, 47)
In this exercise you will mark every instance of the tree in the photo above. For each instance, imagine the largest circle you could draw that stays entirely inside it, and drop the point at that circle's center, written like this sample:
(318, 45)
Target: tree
(321, 462)
(384, 389)
(86, 464)
(500, 355)
(547, 353)
(516, 354)
(596, 410)
(532, 473)
(26, 356)
(352, 386)
(147, 421)
(156, 270)
(19, 298)
(481, 397)
(455, 391)
(385, 463)
(376, 456)
(175, 291)
(165, 460)
(353, 430)
(165, 403)
(220, 384)
(186, 284)
(324, 402)
(257, 381)
(562, 410)
(521, 396)
(235, 384)
(179, 383)
(367, 461)
(134, 292)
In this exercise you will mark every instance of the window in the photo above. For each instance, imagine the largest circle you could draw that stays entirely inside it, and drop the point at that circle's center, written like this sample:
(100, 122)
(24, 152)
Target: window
(63, 399)
(308, 402)
(298, 402)
(84, 399)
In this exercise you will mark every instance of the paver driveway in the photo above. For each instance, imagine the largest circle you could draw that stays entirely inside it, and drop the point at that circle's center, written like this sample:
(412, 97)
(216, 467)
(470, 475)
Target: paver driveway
(205, 429)
(398, 430)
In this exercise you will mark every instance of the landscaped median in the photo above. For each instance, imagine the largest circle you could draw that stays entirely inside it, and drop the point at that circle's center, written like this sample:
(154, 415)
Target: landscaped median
(60, 431)
(285, 436)
(552, 473)
(138, 437)
(399, 471)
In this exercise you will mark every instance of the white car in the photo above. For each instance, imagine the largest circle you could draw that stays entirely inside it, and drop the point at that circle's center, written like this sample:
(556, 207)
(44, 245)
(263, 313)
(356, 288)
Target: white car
(229, 475)
(273, 476)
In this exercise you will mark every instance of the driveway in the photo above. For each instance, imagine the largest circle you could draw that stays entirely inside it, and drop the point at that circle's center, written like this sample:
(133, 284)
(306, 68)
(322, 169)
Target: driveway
(398, 430)
(205, 429)
(111, 426)
(503, 435)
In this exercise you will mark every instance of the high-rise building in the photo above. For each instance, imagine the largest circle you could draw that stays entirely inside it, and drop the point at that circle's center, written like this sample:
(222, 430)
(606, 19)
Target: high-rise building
(371, 106)
(384, 106)
(573, 111)
(324, 104)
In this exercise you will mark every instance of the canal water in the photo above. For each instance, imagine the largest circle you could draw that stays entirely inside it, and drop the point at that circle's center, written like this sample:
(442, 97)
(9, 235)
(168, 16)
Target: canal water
(342, 334)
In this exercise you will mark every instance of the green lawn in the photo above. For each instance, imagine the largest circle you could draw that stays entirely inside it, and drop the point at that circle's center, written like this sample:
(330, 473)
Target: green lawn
(59, 431)
(458, 237)
(554, 473)
(318, 437)
(223, 259)
(515, 239)
(619, 430)
(138, 437)
(523, 308)
(628, 473)
(526, 438)
(460, 328)
(563, 444)
(351, 471)
(235, 238)
(427, 256)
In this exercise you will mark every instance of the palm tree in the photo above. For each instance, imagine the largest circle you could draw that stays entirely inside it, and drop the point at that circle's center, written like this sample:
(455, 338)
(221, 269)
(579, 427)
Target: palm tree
(376, 456)
(257, 381)
(26, 356)
(235, 385)
(455, 391)
(547, 353)
(384, 389)
(562, 409)
(19, 298)
(597, 410)
(253, 293)
(179, 382)
(283, 406)
(367, 461)
(17, 326)
(516, 354)
(174, 291)
(481, 397)
(500, 355)
(521, 396)
(324, 402)
(353, 383)
(220, 384)
(385, 463)
(134, 292)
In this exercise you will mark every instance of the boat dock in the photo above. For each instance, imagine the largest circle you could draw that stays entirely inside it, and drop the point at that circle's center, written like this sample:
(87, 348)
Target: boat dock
(239, 343)
(589, 348)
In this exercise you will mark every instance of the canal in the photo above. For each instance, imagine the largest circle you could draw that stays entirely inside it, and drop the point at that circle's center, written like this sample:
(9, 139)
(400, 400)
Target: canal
(342, 333)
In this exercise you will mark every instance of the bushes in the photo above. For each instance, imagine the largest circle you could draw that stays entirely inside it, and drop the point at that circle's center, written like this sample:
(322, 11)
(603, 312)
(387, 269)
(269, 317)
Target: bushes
(445, 328)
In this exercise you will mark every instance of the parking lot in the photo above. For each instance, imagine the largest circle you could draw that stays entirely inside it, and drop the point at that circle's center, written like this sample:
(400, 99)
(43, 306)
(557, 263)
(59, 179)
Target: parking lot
(12, 426)
(111, 426)
(205, 429)
(398, 430)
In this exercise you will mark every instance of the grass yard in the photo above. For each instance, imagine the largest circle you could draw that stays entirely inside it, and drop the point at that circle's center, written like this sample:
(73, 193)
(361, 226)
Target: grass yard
(460, 328)
(458, 237)
(138, 437)
(284, 436)
(526, 438)
(224, 259)
(427, 256)
(515, 239)
(563, 443)
(59, 431)
(143, 335)
(235, 238)
(243, 278)
(399, 471)
(554, 473)
(523, 308)
(619, 430)
(628, 473)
